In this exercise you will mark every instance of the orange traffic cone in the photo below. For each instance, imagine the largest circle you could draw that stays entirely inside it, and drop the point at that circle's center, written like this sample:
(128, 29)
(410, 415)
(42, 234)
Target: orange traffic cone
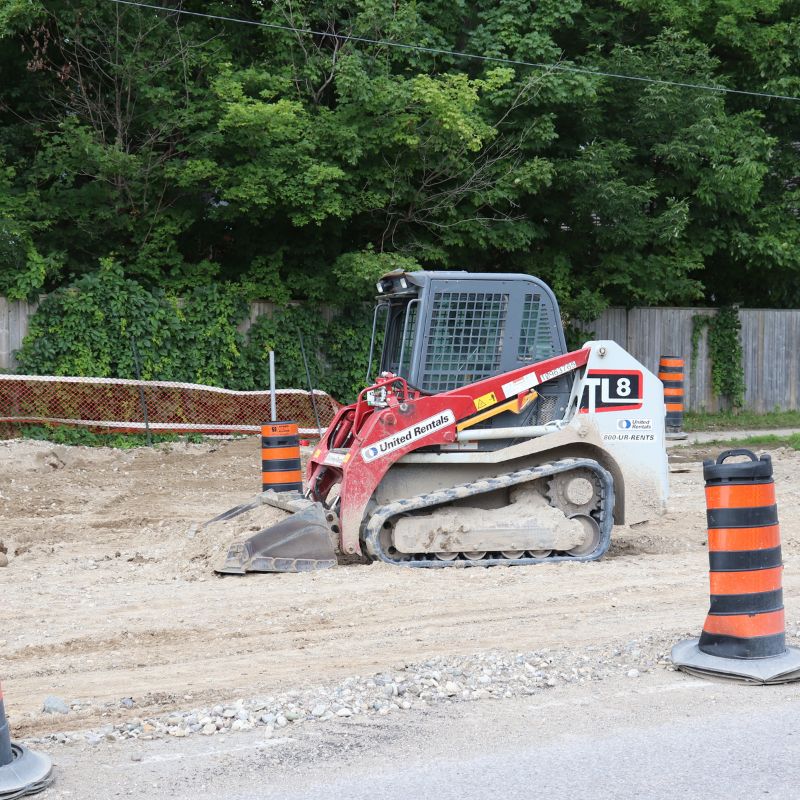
(22, 771)
(744, 635)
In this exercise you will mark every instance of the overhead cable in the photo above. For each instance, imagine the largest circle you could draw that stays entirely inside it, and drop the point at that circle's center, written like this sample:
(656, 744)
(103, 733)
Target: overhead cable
(512, 62)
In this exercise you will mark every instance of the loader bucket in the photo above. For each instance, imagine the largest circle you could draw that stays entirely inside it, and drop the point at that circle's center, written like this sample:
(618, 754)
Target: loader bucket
(300, 543)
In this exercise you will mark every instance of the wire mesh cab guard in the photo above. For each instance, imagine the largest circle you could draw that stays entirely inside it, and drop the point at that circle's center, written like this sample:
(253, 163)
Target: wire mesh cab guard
(446, 329)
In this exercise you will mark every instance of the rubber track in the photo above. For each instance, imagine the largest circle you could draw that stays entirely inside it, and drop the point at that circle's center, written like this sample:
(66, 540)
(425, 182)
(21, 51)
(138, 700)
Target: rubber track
(383, 513)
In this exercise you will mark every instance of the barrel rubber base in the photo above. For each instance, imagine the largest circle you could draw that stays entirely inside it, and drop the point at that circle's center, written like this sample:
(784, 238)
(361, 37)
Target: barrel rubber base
(784, 668)
(675, 436)
(28, 773)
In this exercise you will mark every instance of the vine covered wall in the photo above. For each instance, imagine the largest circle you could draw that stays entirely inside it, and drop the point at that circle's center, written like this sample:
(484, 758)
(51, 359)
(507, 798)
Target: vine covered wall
(725, 351)
(109, 326)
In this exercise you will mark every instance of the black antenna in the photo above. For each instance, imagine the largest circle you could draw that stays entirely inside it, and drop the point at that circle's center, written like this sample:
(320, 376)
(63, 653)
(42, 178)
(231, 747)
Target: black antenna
(137, 366)
(308, 378)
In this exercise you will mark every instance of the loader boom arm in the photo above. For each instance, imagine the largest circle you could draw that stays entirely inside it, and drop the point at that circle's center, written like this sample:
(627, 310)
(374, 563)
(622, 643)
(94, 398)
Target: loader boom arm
(365, 440)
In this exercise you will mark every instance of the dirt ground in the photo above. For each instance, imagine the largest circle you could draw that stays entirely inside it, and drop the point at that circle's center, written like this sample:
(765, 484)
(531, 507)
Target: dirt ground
(109, 591)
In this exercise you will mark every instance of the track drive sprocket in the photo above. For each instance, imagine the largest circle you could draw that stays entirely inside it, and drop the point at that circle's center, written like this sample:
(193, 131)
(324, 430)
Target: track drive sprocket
(575, 492)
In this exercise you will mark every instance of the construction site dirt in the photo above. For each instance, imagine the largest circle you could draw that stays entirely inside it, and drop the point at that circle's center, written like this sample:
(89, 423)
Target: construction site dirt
(109, 591)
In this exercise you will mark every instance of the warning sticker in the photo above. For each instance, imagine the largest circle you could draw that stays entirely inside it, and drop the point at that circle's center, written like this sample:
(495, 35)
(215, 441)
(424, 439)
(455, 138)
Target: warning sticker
(281, 429)
(518, 386)
(554, 373)
(484, 401)
(397, 440)
(333, 459)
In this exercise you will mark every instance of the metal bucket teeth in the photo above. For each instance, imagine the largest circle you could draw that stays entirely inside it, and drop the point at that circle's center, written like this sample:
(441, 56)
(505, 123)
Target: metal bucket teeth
(300, 543)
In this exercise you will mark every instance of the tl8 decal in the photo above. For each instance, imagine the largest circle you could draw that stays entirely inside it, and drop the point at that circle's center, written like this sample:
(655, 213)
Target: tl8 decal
(612, 390)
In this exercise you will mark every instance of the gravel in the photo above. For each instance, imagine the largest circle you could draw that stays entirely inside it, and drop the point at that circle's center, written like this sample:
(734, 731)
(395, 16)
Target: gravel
(483, 676)
(409, 687)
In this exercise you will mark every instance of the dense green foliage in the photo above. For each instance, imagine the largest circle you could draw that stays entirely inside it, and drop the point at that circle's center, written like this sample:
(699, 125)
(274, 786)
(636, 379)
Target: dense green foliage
(213, 160)
(60, 434)
(725, 351)
(107, 325)
(725, 348)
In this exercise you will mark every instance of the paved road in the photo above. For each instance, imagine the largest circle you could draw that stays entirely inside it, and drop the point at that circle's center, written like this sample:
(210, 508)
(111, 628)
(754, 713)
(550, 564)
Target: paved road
(663, 735)
(735, 755)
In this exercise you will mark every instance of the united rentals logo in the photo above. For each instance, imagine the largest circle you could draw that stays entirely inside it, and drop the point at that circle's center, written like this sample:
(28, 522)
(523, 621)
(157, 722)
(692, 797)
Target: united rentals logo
(639, 424)
(417, 431)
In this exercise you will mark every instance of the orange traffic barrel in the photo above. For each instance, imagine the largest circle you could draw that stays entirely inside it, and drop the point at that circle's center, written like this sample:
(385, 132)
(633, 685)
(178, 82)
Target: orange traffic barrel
(671, 374)
(744, 633)
(280, 457)
(22, 771)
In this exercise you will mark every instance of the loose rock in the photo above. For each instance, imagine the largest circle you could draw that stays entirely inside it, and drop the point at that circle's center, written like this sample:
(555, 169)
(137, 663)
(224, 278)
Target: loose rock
(54, 705)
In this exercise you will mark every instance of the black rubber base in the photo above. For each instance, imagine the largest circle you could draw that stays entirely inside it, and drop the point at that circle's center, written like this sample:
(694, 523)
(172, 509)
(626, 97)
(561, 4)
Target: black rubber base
(28, 773)
(784, 668)
(755, 647)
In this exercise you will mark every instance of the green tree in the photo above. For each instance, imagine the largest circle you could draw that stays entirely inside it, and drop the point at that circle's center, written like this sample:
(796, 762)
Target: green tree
(195, 152)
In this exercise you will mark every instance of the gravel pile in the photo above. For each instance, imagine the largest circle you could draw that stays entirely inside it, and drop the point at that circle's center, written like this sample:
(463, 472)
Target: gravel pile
(415, 686)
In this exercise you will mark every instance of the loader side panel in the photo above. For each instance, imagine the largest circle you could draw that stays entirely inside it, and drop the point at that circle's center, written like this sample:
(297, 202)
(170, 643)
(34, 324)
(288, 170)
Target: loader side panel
(625, 403)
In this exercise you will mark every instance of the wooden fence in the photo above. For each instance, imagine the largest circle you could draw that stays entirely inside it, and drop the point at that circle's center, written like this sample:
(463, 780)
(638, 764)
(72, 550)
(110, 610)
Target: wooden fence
(14, 318)
(770, 342)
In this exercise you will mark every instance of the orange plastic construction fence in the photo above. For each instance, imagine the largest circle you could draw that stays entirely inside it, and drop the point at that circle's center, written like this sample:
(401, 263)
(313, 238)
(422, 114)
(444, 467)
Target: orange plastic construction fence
(114, 405)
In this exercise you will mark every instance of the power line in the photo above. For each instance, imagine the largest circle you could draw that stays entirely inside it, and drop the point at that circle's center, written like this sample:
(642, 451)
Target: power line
(457, 54)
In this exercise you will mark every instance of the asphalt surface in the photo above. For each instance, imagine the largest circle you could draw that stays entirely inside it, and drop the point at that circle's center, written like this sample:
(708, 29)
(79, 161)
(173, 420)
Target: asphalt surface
(661, 735)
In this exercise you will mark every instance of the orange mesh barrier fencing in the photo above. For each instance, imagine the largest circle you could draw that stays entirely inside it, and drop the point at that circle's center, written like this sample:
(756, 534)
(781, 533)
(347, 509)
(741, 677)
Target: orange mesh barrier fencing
(115, 405)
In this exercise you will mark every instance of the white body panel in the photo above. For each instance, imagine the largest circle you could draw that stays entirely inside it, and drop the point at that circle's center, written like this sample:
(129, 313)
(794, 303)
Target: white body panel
(629, 424)
(626, 425)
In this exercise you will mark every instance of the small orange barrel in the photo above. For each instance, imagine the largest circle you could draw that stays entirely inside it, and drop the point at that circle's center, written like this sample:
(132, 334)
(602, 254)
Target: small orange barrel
(746, 617)
(671, 373)
(280, 457)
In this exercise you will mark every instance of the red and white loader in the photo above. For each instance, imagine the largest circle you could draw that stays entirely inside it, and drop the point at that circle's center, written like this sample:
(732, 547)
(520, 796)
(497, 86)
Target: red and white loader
(483, 441)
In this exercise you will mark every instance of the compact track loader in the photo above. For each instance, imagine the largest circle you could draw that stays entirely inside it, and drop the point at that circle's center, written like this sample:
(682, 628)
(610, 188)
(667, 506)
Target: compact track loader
(483, 440)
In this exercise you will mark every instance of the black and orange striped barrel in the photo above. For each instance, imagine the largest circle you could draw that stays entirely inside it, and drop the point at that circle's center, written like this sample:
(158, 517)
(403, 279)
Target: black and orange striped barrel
(745, 618)
(280, 457)
(671, 373)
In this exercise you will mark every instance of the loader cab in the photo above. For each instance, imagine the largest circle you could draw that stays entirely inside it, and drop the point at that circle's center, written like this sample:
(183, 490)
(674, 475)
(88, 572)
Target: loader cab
(443, 330)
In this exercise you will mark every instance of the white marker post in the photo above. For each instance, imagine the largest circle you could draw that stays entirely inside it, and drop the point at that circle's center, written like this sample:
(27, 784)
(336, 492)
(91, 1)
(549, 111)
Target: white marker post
(272, 400)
